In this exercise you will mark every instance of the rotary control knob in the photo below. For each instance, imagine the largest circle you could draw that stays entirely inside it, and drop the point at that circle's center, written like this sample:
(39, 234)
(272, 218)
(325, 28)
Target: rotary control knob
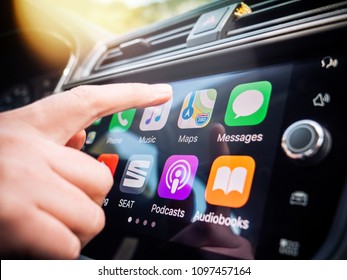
(306, 141)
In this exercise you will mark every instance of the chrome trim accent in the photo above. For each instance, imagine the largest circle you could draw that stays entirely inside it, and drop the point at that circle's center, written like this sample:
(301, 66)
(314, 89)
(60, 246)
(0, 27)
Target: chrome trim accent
(67, 72)
(311, 148)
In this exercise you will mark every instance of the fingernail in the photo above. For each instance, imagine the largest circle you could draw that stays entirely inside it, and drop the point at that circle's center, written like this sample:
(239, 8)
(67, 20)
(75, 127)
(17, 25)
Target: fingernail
(162, 88)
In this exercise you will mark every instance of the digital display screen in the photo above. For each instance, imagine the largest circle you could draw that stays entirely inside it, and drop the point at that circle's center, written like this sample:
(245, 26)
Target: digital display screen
(195, 171)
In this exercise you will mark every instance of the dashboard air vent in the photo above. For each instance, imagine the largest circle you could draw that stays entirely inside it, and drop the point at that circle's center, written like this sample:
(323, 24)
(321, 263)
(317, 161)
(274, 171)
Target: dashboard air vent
(152, 45)
(166, 41)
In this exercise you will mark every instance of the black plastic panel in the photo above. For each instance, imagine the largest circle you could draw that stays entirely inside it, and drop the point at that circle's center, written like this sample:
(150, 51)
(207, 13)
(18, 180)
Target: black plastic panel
(296, 66)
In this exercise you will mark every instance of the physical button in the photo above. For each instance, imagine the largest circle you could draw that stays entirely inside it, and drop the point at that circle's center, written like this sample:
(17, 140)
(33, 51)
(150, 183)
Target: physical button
(306, 141)
(210, 20)
(215, 25)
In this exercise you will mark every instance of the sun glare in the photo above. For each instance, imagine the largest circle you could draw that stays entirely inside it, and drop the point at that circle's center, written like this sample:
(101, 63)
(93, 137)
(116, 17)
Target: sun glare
(71, 17)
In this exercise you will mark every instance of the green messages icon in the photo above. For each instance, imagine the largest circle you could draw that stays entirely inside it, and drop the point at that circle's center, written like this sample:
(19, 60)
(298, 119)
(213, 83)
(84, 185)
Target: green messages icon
(248, 104)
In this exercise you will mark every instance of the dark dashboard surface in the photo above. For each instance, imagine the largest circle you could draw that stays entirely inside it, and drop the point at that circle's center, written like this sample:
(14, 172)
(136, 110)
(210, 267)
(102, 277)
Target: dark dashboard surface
(26, 76)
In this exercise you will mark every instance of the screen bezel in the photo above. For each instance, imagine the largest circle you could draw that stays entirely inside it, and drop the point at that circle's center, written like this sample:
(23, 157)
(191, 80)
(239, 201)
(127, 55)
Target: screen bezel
(247, 57)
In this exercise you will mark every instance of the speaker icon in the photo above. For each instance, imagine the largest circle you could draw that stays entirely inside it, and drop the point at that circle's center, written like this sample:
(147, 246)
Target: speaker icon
(320, 100)
(329, 62)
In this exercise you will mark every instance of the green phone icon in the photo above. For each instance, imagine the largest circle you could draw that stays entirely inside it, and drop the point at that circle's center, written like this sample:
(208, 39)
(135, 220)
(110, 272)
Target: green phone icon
(122, 121)
(248, 104)
(97, 122)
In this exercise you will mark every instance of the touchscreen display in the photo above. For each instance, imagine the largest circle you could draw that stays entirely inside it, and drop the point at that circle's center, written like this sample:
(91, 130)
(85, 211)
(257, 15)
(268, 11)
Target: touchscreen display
(196, 170)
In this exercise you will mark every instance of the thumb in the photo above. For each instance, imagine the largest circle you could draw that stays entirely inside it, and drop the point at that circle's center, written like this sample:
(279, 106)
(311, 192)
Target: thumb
(62, 115)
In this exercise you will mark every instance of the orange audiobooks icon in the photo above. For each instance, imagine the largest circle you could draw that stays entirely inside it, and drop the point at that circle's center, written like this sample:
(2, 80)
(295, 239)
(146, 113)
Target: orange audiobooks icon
(230, 181)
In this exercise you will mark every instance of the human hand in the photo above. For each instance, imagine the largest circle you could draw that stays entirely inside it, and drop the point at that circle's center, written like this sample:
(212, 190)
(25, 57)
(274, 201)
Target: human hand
(50, 192)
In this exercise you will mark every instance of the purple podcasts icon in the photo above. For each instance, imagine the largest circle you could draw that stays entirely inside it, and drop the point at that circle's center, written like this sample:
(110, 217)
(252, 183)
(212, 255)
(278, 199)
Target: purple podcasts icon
(178, 175)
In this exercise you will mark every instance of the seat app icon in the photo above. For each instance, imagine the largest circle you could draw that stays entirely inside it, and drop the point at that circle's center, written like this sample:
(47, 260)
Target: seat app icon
(248, 104)
(136, 174)
(230, 181)
(197, 108)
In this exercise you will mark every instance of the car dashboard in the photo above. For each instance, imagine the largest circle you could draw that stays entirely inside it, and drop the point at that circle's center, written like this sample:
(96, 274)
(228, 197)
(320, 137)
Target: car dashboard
(246, 161)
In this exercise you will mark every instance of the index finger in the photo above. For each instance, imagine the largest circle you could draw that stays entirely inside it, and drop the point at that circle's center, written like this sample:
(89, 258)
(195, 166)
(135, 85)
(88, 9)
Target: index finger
(62, 115)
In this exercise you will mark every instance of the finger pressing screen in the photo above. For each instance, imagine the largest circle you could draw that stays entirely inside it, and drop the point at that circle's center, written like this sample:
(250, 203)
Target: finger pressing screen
(62, 115)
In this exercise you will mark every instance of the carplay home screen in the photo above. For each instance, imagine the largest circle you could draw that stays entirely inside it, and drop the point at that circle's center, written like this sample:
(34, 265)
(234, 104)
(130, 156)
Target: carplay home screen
(196, 170)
